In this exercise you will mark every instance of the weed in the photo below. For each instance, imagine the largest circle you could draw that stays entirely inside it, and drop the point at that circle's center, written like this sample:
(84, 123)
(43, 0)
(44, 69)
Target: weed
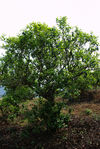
(88, 111)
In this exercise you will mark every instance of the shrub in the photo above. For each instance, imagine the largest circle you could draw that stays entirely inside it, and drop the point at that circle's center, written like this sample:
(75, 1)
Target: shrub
(9, 107)
(45, 116)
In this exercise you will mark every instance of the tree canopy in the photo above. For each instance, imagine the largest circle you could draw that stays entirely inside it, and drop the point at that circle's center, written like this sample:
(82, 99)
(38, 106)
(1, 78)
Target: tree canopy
(48, 60)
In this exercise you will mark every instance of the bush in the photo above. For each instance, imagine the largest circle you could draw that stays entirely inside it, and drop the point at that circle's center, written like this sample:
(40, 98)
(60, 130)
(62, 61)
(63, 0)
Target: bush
(45, 116)
(9, 107)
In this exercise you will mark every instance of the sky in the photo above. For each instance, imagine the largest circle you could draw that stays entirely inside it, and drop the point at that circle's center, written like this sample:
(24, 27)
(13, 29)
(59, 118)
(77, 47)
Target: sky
(16, 14)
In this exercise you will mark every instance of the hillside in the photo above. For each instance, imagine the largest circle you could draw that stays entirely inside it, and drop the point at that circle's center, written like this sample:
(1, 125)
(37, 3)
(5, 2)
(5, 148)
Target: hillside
(82, 131)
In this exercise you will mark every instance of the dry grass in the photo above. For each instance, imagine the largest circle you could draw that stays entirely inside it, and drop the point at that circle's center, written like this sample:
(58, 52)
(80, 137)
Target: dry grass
(80, 108)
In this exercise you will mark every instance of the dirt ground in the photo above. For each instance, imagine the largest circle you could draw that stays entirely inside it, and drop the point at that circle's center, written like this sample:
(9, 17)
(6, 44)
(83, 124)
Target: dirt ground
(83, 131)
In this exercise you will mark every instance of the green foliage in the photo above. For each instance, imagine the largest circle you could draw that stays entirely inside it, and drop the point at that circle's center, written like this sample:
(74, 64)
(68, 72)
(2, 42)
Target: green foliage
(88, 111)
(9, 105)
(22, 93)
(48, 59)
(96, 75)
(45, 116)
(9, 108)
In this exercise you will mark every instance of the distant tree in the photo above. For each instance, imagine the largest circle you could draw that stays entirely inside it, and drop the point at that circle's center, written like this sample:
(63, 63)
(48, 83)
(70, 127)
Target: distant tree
(49, 59)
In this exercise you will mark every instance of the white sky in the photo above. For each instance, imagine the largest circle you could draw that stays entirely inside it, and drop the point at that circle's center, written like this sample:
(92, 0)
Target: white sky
(16, 14)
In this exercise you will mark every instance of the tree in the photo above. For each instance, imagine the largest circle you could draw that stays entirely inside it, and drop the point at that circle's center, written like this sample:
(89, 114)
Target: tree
(81, 58)
(96, 75)
(48, 59)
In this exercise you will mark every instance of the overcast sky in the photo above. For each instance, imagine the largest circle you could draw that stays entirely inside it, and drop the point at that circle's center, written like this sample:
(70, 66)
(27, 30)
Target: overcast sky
(16, 14)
